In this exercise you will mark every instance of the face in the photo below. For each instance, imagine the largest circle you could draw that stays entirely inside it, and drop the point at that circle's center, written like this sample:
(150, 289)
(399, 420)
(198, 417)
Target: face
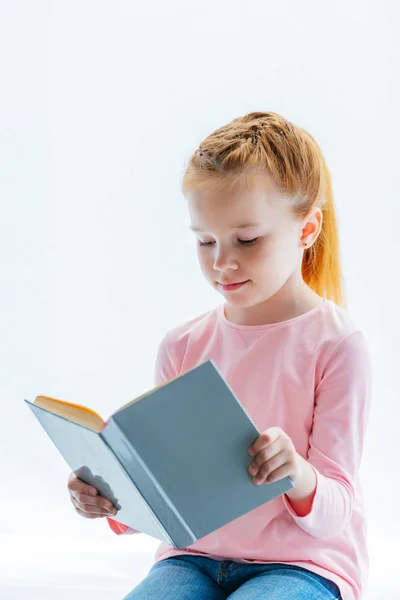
(252, 237)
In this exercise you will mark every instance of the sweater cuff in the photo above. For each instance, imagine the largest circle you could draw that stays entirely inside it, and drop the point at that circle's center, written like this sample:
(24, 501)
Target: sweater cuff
(120, 528)
(290, 508)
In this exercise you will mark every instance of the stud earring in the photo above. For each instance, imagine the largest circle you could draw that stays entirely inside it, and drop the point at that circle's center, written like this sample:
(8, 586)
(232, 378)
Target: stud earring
(305, 244)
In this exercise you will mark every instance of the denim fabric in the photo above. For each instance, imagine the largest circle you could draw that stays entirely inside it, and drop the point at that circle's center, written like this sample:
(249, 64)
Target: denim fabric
(189, 577)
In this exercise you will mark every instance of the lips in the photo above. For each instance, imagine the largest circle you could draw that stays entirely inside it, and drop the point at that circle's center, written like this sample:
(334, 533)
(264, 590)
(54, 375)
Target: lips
(230, 287)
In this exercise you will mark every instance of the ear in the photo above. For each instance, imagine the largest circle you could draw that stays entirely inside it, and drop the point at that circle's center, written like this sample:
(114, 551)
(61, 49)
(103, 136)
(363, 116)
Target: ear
(312, 225)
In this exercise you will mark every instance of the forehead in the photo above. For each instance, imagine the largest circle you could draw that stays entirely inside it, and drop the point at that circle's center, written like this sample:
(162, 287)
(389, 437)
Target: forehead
(265, 205)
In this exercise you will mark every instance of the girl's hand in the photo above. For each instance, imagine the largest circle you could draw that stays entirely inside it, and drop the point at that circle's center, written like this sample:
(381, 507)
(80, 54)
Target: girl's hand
(86, 500)
(275, 457)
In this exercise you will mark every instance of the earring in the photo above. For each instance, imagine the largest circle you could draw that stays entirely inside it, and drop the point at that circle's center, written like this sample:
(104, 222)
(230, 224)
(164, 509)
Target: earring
(305, 244)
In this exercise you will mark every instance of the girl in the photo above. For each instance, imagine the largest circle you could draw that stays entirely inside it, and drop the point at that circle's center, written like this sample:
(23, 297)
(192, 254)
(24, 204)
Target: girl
(260, 204)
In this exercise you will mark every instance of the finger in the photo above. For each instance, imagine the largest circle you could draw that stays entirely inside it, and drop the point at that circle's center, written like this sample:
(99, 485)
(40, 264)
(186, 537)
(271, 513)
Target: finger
(71, 476)
(264, 439)
(284, 471)
(275, 462)
(77, 485)
(268, 453)
(94, 509)
(271, 465)
(89, 515)
(86, 499)
(95, 505)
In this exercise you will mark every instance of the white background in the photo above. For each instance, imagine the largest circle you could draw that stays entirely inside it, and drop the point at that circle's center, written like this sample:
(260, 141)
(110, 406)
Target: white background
(101, 105)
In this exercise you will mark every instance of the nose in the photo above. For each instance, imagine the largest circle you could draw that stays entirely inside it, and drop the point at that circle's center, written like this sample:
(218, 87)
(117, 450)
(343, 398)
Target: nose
(224, 260)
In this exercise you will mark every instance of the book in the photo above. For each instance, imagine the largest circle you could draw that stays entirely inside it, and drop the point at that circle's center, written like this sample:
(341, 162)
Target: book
(174, 461)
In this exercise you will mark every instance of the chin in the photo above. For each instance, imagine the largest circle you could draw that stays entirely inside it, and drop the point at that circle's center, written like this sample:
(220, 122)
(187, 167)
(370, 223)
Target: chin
(247, 301)
(237, 301)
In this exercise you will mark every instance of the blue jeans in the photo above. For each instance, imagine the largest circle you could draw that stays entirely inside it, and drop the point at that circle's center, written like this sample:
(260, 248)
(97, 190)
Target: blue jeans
(189, 577)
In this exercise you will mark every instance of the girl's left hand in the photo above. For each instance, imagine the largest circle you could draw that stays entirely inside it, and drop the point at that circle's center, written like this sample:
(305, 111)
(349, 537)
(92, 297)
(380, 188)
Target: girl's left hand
(275, 457)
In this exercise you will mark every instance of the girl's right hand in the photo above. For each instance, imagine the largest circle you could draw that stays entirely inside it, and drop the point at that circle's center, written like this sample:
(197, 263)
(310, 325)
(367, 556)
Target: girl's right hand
(86, 503)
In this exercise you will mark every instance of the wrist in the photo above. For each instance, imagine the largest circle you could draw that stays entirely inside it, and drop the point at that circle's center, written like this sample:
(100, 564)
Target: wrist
(305, 483)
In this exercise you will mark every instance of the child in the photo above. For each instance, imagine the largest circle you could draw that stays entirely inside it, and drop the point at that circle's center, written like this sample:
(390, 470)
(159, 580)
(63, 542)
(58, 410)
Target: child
(260, 203)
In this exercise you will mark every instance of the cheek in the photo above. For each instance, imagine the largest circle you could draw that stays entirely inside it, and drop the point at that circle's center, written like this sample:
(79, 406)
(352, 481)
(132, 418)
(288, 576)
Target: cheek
(259, 257)
(273, 259)
(205, 259)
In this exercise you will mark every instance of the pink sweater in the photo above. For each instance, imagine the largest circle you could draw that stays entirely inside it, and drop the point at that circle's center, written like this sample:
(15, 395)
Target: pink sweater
(311, 376)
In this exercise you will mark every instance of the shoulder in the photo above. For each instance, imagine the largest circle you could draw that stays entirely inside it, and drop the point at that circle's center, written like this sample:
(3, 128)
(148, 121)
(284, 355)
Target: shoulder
(337, 321)
(341, 341)
(340, 326)
(176, 340)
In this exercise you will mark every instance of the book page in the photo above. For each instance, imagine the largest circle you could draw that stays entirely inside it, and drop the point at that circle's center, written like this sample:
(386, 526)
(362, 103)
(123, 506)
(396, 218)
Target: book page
(73, 412)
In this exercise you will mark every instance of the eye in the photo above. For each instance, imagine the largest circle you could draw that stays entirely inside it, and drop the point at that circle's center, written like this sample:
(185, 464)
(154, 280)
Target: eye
(243, 242)
(248, 242)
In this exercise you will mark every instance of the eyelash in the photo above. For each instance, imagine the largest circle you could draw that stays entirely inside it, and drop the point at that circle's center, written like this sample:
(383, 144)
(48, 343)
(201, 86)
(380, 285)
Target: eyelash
(243, 242)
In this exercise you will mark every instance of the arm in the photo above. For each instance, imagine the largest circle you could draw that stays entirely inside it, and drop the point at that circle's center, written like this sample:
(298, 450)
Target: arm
(164, 371)
(302, 495)
(342, 405)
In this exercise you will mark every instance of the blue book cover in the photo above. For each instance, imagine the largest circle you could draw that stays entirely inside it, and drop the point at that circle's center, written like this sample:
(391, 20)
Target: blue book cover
(174, 461)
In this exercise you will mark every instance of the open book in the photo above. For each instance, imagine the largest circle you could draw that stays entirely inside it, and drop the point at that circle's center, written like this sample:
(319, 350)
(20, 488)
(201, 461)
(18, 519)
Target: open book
(173, 461)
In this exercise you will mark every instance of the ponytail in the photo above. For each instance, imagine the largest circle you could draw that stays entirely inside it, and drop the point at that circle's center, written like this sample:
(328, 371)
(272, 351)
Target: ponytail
(321, 267)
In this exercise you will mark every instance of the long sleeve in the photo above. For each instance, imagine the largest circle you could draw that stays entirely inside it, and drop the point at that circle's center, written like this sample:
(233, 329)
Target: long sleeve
(120, 528)
(166, 367)
(164, 371)
(341, 412)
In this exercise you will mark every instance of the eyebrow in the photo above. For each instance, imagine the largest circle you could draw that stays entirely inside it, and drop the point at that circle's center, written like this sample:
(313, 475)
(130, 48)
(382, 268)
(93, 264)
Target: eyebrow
(232, 226)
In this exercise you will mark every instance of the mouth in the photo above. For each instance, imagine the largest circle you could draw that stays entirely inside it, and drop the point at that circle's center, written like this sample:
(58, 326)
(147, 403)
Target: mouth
(231, 282)
(232, 286)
